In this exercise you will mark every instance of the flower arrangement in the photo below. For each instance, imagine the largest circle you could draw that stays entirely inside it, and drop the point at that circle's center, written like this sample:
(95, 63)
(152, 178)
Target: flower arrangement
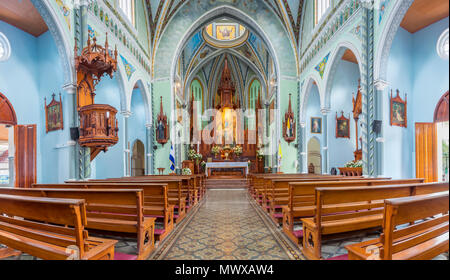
(237, 150)
(193, 155)
(216, 150)
(259, 154)
(186, 171)
(249, 163)
(203, 164)
(354, 164)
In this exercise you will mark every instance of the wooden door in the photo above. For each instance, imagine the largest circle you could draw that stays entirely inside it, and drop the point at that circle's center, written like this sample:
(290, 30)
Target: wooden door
(426, 152)
(25, 157)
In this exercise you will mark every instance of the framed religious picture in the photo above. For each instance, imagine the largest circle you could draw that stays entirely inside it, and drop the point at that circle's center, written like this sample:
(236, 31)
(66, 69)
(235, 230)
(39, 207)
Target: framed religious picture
(399, 110)
(316, 125)
(53, 115)
(162, 127)
(342, 126)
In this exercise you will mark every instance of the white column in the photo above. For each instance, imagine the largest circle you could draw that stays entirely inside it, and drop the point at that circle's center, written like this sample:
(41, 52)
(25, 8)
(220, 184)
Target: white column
(325, 112)
(70, 112)
(126, 150)
(380, 86)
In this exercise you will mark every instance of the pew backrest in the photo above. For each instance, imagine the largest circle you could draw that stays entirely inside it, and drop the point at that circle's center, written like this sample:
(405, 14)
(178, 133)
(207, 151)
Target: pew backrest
(432, 212)
(33, 215)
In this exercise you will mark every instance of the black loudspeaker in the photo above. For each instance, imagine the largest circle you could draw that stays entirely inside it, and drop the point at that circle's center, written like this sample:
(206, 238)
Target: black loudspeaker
(376, 127)
(74, 133)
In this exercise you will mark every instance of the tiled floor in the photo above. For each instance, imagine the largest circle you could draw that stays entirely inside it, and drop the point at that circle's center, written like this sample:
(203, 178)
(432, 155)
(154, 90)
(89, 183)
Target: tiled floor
(228, 227)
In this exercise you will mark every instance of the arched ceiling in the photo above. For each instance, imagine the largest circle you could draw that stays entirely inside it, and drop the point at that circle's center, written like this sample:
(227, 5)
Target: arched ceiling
(203, 59)
(289, 12)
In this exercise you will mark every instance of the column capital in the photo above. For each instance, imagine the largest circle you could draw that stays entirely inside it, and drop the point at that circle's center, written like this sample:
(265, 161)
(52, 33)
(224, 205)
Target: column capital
(302, 124)
(149, 125)
(380, 84)
(325, 111)
(70, 88)
(126, 114)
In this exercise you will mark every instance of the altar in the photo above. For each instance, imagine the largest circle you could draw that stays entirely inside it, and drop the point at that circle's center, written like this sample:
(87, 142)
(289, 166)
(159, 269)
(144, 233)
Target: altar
(226, 165)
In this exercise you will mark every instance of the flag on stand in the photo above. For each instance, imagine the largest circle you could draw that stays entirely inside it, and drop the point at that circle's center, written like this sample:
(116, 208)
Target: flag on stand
(172, 158)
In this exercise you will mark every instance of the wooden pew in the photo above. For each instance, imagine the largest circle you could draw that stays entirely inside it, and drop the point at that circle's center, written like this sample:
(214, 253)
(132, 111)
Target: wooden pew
(156, 203)
(50, 229)
(345, 210)
(263, 182)
(276, 193)
(301, 200)
(423, 234)
(112, 210)
(177, 193)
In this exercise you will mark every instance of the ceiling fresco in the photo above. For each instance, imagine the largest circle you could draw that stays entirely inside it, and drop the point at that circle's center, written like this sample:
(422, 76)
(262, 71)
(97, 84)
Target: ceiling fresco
(287, 11)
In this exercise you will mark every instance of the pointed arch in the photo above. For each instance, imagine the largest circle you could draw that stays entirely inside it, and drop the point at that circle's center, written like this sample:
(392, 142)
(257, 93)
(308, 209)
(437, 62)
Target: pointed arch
(334, 62)
(313, 79)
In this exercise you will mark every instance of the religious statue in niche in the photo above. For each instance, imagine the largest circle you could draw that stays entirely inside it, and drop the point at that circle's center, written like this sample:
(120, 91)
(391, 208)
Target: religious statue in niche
(399, 110)
(289, 128)
(162, 128)
(342, 126)
(53, 114)
(316, 125)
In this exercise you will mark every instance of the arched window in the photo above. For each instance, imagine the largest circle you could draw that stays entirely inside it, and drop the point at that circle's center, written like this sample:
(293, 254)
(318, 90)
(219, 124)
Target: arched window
(197, 95)
(5, 48)
(128, 9)
(255, 89)
(320, 8)
(442, 45)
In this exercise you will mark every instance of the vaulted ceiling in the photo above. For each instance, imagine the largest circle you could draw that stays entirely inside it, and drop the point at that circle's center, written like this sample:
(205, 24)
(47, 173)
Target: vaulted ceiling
(287, 11)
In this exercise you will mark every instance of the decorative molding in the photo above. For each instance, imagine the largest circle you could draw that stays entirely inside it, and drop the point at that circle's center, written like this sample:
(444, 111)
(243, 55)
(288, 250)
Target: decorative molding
(387, 37)
(339, 18)
(59, 34)
(380, 84)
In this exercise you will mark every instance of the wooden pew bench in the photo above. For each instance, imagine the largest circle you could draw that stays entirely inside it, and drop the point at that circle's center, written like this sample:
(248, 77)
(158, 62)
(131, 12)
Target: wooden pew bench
(156, 204)
(277, 192)
(108, 210)
(347, 210)
(301, 200)
(50, 229)
(177, 194)
(414, 228)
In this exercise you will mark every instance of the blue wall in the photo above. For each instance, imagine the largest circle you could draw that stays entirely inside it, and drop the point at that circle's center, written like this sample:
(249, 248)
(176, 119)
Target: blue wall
(416, 70)
(110, 164)
(340, 150)
(313, 110)
(137, 120)
(33, 72)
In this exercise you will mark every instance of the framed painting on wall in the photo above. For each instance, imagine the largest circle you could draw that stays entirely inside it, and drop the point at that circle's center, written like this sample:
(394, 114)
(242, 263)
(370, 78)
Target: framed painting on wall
(342, 126)
(316, 125)
(53, 115)
(399, 115)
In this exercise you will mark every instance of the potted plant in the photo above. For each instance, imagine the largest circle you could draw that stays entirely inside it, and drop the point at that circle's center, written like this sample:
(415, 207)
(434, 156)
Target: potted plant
(352, 168)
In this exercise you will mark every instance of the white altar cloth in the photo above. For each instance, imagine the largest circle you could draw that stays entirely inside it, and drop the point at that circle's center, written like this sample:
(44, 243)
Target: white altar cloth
(226, 165)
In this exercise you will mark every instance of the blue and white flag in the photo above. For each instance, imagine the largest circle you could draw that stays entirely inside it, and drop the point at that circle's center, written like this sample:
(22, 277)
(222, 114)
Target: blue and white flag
(172, 158)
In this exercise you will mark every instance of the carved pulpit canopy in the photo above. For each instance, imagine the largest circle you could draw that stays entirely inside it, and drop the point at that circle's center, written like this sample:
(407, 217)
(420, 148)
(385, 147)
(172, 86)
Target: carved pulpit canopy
(98, 125)
(162, 127)
(93, 62)
(289, 125)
